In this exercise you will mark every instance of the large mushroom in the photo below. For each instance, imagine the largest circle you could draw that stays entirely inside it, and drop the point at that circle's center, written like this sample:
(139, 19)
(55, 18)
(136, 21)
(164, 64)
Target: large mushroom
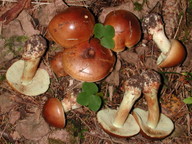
(88, 61)
(120, 122)
(127, 29)
(153, 124)
(172, 51)
(72, 26)
(54, 110)
(24, 75)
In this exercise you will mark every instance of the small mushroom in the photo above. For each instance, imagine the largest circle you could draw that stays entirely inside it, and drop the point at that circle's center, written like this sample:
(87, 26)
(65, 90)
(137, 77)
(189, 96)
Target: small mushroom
(72, 26)
(88, 61)
(153, 124)
(120, 122)
(53, 113)
(24, 75)
(172, 51)
(56, 64)
(127, 29)
(54, 110)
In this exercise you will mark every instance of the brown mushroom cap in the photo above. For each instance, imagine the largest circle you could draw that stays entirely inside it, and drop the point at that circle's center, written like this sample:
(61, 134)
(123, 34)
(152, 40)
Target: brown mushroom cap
(106, 117)
(56, 64)
(53, 113)
(39, 84)
(162, 130)
(127, 29)
(88, 61)
(74, 25)
(175, 56)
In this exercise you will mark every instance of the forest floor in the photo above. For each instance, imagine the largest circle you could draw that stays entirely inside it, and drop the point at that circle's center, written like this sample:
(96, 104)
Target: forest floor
(21, 120)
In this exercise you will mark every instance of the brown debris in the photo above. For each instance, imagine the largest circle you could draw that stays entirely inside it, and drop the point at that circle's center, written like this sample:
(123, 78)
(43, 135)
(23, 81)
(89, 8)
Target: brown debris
(20, 116)
(12, 13)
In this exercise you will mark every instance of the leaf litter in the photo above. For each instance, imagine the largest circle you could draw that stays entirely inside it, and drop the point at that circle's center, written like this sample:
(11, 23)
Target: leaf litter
(21, 119)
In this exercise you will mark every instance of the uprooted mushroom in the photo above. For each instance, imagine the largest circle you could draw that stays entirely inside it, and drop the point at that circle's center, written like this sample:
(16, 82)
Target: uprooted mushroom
(54, 110)
(24, 75)
(172, 51)
(120, 122)
(153, 124)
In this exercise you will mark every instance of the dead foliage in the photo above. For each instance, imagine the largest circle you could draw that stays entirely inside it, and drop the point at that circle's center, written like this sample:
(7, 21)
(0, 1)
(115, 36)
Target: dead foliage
(21, 121)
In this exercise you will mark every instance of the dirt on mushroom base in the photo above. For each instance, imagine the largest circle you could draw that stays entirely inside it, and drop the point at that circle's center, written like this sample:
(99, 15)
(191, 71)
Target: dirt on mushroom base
(85, 126)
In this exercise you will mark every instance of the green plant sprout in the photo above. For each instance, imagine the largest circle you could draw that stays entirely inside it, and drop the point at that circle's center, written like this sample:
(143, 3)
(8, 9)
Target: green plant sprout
(188, 77)
(188, 100)
(105, 34)
(139, 6)
(15, 43)
(90, 96)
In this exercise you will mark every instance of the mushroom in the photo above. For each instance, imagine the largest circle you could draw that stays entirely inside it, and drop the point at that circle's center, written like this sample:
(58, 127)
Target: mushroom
(53, 113)
(24, 75)
(54, 110)
(153, 124)
(127, 29)
(172, 51)
(72, 26)
(88, 61)
(120, 122)
(56, 64)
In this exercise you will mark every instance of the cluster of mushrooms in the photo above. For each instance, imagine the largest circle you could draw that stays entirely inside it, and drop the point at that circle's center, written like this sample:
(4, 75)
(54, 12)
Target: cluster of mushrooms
(85, 59)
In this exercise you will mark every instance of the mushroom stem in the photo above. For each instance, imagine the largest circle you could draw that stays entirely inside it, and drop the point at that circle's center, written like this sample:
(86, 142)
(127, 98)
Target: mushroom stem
(29, 70)
(35, 47)
(150, 91)
(154, 26)
(70, 103)
(161, 41)
(133, 88)
(130, 96)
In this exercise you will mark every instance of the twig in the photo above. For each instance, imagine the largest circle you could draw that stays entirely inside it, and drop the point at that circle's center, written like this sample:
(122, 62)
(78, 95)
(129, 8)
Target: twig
(178, 27)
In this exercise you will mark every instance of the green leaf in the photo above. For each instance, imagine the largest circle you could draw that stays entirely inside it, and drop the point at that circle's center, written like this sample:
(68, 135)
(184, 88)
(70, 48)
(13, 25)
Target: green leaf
(188, 100)
(108, 42)
(138, 6)
(109, 31)
(83, 98)
(98, 30)
(105, 34)
(89, 88)
(94, 102)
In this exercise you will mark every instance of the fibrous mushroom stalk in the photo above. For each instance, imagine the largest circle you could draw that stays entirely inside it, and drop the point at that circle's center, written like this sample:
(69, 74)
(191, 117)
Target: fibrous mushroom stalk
(150, 91)
(153, 25)
(130, 96)
(133, 88)
(35, 47)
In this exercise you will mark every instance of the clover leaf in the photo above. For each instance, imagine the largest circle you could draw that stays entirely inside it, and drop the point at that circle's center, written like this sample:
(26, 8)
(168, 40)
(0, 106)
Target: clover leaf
(90, 96)
(105, 33)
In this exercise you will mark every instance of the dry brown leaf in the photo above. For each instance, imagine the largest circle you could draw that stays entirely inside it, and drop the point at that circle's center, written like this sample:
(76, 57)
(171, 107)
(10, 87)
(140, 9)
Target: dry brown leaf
(33, 127)
(130, 57)
(151, 63)
(47, 12)
(173, 107)
(14, 116)
(6, 103)
(12, 29)
(113, 78)
(61, 134)
(25, 21)
(13, 12)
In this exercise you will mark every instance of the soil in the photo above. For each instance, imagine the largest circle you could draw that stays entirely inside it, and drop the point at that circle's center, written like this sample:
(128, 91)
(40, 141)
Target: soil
(21, 120)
